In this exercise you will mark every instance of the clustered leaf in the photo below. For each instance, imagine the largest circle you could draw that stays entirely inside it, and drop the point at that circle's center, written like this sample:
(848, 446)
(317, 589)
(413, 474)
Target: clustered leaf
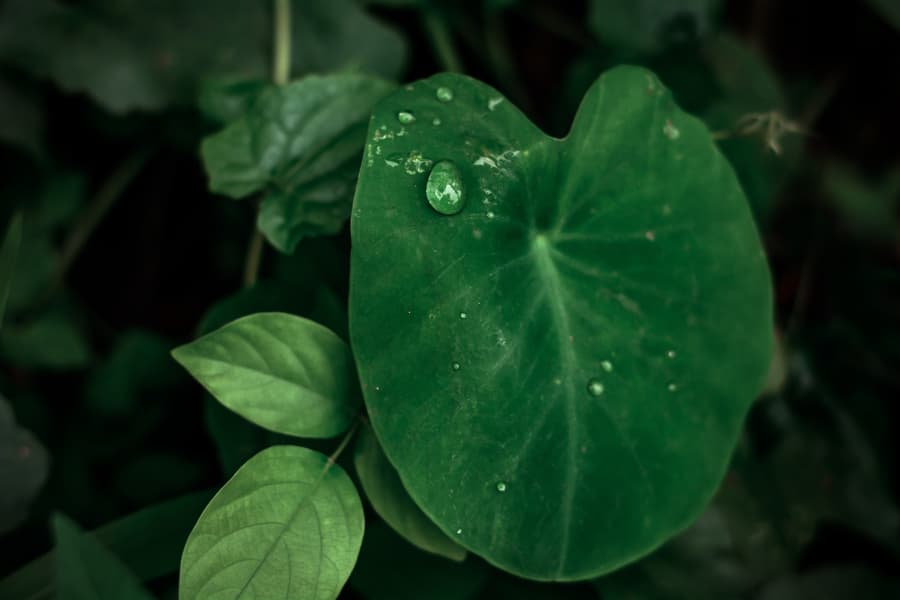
(300, 144)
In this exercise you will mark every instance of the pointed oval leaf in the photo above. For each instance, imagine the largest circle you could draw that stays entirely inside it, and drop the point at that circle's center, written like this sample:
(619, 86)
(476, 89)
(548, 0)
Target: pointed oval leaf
(560, 371)
(391, 501)
(282, 372)
(288, 524)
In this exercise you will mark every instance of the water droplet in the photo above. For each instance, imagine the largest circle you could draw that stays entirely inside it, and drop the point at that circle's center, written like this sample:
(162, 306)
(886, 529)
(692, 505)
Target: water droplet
(444, 190)
(493, 102)
(595, 387)
(407, 118)
(673, 387)
(459, 532)
(671, 354)
(501, 486)
(490, 214)
(670, 131)
(444, 94)
(463, 315)
(650, 235)
(607, 366)
(377, 388)
(455, 366)
(436, 122)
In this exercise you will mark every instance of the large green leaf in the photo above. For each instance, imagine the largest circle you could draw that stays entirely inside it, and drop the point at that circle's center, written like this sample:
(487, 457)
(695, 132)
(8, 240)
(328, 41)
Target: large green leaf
(289, 524)
(560, 371)
(85, 570)
(152, 54)
(282, 372)
(390, 500)
(301, 144)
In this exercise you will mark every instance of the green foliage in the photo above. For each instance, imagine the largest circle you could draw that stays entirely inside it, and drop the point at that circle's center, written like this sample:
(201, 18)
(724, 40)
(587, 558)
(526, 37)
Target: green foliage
(301, 145)
(282, 372)
(289, 524)
(24, 466)
(563, 322)
(390, 500)
(9, 252)
(85, 570)
(647, 25)
(153, 55)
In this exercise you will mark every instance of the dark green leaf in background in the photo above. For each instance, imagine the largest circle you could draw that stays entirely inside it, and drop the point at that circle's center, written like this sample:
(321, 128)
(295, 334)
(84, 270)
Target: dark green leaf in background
(647, 25)
(152, 54)
(889, 10)
(390, 500)
(52, 340)
(24, 467)
(559, 372)
(301, 145)
(21, 117)
(289, 524)
(9, 252)
(282, 372)
(85, 570)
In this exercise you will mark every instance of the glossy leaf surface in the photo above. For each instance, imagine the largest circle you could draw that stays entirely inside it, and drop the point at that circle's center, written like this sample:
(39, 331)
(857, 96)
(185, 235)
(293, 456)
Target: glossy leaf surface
(300, 144)
(282, 372)
(289, 524)
(390, 500)
(560, 371)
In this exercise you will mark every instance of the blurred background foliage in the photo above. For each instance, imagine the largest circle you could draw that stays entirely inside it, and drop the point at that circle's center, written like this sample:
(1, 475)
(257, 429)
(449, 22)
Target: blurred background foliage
(116, 252)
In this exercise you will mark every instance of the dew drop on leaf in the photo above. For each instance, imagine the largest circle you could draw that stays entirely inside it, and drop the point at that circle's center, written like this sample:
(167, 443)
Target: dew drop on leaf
(501, 486)
(444, 190)
(463, 315)
(444, 94)
(671, 354)
(595, 387)
(407, 118)
(673, 387)
(607, 366)
(455, 366)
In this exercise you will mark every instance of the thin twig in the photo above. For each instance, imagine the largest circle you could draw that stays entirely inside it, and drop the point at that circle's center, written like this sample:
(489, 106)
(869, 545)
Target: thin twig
(442, 41)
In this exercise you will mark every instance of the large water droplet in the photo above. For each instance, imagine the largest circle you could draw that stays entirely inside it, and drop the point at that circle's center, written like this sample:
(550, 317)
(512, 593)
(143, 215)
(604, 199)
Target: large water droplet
(444, 189)
(595, 387)
(444, 94)
(501, 486)
(407, 118)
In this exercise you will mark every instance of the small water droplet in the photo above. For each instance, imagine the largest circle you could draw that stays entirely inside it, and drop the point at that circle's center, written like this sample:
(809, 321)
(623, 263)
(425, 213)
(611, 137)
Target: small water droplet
(459, 532)
(673, 387)
(444, 94)
(671, 354)
(455, 366)
(557, 381)
(607, 366)
(670, 131)
(444, 189)
(377, 388)
(407, 118)
(490, 214)
(595, 387)
(463, 315)
(501, 486)
(436, 122)
(650, 235)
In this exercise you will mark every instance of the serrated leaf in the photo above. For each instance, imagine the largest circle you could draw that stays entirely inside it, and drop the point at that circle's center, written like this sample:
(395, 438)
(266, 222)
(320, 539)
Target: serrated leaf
(150, 55)
(560, 371)
(282, 372)
(300, 144)
(648, 25)
(9, 252)
(24, 466)
(85, 570)
(289, 524)
(390, 500)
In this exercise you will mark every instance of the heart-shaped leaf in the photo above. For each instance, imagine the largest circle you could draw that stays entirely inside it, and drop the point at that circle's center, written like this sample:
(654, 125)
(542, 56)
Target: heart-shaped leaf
(301, 144)
(289, 524)
(558, 372)
(390, 500)
(285, 373)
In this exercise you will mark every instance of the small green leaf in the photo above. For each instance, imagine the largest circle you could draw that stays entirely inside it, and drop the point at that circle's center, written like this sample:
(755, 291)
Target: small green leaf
(424, 575)
(24, 466)
(560, 371)
(9, 251)
(300, 144)
(224, 100)
(647, 25)
(133, 57)
(85, 570)
(390, 500)
(289, 524)
(50, 341)
(282, 372)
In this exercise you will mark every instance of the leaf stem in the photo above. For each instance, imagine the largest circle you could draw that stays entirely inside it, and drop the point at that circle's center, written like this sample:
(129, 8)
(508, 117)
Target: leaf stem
(442, 41)
(253, 257)
(111, 190)
(346, 440)
(281, 65)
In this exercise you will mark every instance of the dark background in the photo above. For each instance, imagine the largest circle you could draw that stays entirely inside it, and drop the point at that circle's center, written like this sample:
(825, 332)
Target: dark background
(810, 508)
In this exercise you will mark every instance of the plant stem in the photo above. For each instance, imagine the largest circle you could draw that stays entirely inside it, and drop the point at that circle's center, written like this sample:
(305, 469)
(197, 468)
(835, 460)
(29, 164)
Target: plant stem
(281, 64)
(281, 74)
(111, 190)
(442, 41)
(347, 437)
